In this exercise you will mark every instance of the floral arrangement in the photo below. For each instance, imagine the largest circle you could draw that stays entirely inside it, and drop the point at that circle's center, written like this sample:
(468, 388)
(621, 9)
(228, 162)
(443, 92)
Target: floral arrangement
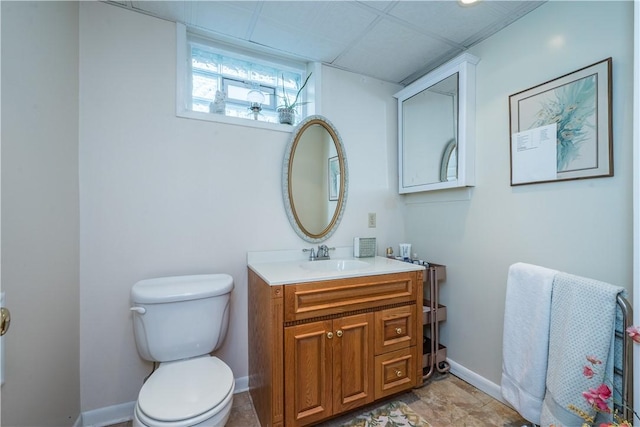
(598, 398)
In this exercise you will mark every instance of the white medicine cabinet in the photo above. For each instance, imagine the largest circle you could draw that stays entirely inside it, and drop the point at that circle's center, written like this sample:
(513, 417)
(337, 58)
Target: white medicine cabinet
(436, 126)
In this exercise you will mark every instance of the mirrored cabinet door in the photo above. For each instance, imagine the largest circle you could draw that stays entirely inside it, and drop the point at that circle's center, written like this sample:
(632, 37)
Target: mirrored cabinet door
(436, 123)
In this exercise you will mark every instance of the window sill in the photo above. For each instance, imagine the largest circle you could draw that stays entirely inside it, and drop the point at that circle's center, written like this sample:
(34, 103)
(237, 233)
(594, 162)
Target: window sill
(219, 118)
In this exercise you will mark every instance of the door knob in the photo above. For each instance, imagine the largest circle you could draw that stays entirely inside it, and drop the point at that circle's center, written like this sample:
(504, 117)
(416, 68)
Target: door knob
(339, 333)
(5, 320)
(329, 335)
(398, 331)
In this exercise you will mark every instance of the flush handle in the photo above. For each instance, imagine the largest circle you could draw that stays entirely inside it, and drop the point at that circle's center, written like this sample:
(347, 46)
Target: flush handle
(139, 310)
(5, 320)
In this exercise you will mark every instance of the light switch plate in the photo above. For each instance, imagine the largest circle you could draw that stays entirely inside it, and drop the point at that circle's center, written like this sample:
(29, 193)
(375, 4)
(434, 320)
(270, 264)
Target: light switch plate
(372, 220)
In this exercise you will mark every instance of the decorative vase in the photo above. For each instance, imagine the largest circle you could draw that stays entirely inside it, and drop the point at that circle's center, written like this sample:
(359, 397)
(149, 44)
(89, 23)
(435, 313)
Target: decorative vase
(286, 115)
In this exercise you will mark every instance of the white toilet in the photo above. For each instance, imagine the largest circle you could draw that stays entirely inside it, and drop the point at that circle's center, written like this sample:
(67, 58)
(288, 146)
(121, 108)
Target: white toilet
(178, 321)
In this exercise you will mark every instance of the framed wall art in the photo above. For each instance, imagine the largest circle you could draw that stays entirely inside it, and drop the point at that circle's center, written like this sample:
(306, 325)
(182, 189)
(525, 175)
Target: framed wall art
(561, 129)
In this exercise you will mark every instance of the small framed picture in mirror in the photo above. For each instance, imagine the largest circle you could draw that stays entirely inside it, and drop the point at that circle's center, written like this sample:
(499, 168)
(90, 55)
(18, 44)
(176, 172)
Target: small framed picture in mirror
(334, 178)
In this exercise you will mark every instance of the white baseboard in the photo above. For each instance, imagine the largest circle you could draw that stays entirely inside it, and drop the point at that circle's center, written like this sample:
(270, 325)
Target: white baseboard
(481, 383)
(124, 412)
(108, 415)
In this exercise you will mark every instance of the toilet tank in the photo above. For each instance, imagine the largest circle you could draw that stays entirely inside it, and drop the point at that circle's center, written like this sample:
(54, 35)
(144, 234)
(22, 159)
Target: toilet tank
(180, 317)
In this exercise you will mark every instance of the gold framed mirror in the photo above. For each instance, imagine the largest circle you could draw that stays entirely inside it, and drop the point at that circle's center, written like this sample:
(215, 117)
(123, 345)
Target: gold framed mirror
(315, 179)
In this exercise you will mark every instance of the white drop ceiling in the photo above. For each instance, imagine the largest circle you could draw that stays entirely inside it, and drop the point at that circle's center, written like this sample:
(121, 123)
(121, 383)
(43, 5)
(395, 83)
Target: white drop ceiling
(396, 41)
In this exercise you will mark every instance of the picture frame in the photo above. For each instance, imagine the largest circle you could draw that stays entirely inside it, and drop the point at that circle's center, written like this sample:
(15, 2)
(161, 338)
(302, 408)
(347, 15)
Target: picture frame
(561, 130)
(334, 178)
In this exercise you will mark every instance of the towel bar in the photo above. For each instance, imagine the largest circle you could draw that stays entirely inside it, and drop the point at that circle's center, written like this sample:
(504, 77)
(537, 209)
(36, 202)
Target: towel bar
(626, 370)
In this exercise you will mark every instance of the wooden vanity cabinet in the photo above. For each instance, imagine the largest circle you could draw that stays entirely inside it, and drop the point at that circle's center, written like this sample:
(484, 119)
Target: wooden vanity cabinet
(327, 367)
(320, 349)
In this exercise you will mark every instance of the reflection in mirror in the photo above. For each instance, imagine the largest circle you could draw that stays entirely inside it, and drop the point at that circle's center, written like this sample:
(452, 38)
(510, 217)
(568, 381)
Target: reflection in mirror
(430, 121)
(315, 179)
(449, 162)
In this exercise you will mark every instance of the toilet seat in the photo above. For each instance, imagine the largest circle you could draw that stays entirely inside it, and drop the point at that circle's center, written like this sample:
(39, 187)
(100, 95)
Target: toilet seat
(186, 392)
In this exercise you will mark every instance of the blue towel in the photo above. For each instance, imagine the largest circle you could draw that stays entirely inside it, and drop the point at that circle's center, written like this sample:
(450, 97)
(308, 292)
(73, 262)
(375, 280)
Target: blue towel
(525, 339)
(583, 317)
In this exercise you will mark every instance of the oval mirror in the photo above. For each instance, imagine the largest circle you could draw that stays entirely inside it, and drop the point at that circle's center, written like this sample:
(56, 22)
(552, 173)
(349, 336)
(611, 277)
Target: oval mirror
(315, 179)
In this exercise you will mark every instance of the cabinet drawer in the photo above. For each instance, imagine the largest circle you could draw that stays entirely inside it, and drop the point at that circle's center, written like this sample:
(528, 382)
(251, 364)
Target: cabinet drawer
(395, 328)
(394, 372)
(314, 299)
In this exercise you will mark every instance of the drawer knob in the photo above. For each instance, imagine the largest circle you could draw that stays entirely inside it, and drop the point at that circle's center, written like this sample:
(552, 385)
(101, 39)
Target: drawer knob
(339, 333)
(398, 373)
(399, 331)
(329, 335)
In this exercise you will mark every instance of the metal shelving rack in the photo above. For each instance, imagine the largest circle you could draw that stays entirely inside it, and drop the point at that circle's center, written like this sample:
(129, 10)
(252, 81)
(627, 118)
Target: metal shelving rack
(432, 314)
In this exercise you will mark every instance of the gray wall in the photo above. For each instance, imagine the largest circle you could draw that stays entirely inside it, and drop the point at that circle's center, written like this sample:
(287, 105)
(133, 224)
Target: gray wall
(583, 227)
(40, 213)
(162, 195)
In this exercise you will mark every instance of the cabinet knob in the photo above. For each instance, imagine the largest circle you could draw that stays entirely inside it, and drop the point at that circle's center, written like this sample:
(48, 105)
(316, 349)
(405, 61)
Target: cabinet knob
(339, 333)
(398, 373)
(329, 335)
(399, 331)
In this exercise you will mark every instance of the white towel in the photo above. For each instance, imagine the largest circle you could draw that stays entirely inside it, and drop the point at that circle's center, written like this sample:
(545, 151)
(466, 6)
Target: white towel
(526, 338)
(583, 313)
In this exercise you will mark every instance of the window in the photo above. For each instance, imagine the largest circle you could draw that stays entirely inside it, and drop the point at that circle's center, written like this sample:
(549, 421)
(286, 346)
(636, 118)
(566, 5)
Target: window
(213, 67)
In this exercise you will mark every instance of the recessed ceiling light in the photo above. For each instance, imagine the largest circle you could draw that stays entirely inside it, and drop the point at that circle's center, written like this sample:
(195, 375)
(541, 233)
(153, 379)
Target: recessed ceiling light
(468, 2)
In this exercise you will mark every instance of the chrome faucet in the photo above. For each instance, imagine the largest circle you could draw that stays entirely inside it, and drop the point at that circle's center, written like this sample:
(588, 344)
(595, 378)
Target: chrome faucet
(323, 252)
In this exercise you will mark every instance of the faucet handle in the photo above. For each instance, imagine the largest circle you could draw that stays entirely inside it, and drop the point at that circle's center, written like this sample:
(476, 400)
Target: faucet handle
(312, 255)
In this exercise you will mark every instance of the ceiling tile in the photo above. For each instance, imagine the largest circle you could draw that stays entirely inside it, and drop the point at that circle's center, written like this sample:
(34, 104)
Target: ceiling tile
(449, 19)
(382, 53)
(231, 18)
(311, 29)
(394, 40)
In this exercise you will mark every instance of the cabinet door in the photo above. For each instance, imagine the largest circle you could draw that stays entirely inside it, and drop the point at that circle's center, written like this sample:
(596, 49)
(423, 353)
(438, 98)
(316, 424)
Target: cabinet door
(353, 362)
(307, 372)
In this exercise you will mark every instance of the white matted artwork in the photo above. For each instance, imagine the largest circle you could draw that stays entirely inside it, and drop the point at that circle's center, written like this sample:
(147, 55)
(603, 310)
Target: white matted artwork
(561, 129)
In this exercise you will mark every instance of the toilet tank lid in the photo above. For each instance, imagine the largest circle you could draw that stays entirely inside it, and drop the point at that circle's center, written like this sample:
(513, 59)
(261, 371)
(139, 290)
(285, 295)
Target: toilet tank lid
(181, 288)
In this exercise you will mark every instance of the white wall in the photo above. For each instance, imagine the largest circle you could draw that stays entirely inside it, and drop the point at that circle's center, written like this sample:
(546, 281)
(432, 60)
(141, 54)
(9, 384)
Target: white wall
(40, 212)
(582, 227)
(161, 195)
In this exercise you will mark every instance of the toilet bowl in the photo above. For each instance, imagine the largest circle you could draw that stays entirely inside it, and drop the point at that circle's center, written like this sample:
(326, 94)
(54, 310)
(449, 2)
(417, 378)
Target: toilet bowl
(195, 392)
(178, 321)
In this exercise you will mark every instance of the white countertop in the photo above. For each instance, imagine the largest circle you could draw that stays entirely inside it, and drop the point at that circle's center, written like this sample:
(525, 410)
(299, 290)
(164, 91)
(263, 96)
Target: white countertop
(287, 267)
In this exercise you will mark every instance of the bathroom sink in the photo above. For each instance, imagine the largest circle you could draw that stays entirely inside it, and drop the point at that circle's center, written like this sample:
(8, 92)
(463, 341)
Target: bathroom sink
(335, 265)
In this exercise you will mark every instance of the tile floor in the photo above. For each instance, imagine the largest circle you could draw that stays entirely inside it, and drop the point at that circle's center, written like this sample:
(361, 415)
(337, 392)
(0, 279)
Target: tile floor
(445, 400)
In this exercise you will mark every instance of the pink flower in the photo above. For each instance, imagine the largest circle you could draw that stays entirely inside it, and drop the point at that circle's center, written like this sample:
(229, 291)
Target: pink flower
(587, 372)
(594, 360)
(598, 397)
(634, 333)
